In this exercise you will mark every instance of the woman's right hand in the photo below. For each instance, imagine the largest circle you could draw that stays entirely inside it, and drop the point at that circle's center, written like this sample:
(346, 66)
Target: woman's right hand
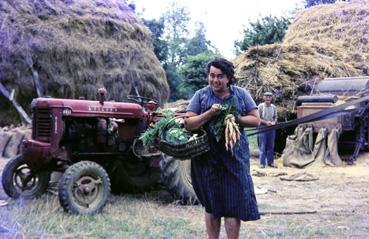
(215, 110)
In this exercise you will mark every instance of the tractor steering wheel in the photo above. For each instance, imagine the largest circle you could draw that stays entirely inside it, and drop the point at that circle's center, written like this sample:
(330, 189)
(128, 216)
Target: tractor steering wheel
(140, 99)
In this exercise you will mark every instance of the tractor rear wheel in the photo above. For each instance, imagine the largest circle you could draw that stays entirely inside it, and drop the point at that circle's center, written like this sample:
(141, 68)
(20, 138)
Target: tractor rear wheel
(84, 188)
(18, 180)
(176, 175)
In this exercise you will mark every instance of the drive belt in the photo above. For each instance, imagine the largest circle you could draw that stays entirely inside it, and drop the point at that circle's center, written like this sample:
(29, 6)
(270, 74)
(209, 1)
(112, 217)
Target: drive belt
(323, 114)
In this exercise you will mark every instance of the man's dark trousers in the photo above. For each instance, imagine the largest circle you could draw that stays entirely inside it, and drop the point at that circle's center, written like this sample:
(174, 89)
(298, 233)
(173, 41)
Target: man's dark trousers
(266, 147)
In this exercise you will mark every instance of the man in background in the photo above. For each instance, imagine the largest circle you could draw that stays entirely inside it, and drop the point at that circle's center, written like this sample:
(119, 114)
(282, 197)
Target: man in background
(268, 115)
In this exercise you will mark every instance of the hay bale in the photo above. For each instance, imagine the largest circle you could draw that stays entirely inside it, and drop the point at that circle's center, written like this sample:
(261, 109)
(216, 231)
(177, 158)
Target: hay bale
(13, 146)
(344, 25)
(76, 47)
(177, 106)
(320, 43)
(27, 131)
(4, 140)
(11, 139)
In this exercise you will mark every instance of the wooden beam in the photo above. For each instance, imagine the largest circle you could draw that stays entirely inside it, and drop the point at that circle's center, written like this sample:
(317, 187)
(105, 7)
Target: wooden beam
(24, 116)
(36, 82)
(287, 212)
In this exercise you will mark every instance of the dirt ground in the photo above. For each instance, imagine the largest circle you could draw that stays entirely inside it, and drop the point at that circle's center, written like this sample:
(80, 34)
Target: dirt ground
(331, 188)
(337, 200)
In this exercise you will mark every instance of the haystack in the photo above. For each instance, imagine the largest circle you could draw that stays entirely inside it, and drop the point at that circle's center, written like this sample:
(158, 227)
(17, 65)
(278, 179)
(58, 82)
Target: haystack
(73, 48)
(329, 40)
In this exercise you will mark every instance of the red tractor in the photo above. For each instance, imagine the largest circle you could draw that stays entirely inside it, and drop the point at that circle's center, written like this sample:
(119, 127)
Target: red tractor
(96, 147)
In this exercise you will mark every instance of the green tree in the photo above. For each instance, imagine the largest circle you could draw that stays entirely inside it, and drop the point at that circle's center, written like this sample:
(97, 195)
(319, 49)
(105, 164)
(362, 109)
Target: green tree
(178, 51)
(175, 79)
(198, 44)
(160, 45)
(194, 73)
(310, 3)
(176, 20)
(199, 52)
(267, 30)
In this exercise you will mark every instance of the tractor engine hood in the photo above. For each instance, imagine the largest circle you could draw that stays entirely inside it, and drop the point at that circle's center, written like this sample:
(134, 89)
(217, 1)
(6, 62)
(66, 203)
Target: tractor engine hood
(89, 108)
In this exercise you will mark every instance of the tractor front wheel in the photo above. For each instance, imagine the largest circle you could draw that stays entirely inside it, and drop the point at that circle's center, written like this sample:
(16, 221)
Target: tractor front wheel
(84, 188)
(19, 180)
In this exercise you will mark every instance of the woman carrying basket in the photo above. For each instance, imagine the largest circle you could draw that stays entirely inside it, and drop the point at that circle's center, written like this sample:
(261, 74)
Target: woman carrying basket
(221, 177)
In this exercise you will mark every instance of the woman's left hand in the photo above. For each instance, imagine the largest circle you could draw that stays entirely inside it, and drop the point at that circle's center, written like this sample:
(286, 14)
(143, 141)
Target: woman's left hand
(229, 116)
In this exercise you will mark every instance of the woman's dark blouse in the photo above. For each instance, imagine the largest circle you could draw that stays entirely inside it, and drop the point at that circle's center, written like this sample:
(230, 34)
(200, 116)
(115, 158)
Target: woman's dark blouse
(221, 178)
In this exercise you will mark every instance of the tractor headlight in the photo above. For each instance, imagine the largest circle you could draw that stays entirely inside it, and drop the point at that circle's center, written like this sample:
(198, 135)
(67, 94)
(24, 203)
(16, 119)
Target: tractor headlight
(67, 112)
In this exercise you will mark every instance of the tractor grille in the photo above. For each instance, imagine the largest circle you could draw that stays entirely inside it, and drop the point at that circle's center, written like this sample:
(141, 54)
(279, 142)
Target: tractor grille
(42, 125)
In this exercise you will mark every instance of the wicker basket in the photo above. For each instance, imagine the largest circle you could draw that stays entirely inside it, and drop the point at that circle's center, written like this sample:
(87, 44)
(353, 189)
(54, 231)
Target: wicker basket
(187, 150)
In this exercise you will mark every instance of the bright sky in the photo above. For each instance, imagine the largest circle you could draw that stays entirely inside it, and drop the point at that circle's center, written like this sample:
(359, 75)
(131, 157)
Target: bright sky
(224, 20)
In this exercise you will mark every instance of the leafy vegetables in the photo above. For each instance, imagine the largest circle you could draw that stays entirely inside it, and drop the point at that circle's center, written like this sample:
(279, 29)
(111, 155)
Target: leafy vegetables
(151, 133)
(176, 135)
(218, 126)
(169, 128)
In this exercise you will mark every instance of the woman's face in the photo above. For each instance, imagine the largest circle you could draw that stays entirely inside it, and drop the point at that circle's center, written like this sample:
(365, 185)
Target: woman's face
(217, 80)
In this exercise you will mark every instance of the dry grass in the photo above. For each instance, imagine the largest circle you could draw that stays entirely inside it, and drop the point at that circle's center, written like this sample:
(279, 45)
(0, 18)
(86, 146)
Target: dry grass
(140, 216)
(339, 198)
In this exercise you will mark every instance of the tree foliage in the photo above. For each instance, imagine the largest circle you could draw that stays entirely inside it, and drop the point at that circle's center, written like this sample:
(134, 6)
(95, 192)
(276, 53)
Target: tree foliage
(310, 3)
(174, 80)
(160, 45)
(267, 30)
(198, 43)
(183, 55)
(194, 73)
(176, 20)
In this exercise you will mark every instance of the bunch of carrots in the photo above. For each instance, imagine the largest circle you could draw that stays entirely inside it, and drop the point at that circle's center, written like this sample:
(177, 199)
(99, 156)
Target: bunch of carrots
(231, 132)
(225, 125)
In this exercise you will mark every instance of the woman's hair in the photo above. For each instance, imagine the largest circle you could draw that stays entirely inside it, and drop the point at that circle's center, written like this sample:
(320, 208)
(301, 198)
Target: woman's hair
(225, 66)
